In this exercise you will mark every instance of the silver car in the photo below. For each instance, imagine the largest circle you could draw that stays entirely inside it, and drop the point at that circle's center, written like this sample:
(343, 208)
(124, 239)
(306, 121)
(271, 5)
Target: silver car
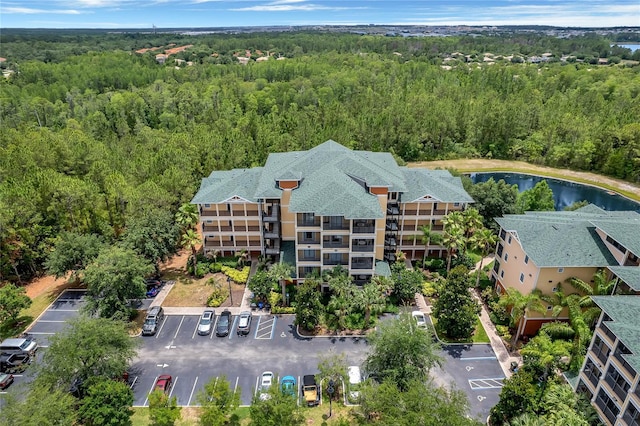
(206, 322)
(244, 324)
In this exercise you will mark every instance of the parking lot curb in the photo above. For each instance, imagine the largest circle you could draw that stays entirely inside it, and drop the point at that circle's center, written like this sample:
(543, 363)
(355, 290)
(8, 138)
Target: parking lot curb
(330, 336)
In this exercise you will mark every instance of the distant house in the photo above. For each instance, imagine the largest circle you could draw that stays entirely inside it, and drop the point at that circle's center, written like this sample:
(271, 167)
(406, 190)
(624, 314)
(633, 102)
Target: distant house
(161, 58)
(3, 60)
(603, 61)
(262, 59)
(243, 60)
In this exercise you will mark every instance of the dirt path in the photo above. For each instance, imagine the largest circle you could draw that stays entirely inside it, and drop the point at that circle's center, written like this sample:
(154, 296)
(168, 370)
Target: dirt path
(474, 165)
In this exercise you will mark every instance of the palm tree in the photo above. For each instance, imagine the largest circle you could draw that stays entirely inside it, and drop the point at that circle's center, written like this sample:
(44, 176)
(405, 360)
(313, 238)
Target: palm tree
(453, 240)
(281, 272)
(370, 298)
(187, 216)
(428, 236)
(190, 239)
(472, 221)
(520, 304)
(527, 420)
(243, 257)
(341, 307)
(546, 352)
(341, 286)
(483, 240)
(601, 287)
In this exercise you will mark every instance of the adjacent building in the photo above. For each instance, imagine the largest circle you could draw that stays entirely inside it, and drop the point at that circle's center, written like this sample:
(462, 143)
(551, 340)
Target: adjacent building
(325, 207)
(609, 375)
(541, 250)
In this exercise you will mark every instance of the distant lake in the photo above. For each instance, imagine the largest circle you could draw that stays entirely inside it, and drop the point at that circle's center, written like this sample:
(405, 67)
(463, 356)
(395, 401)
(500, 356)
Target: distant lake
(565, 193)
(632, 46)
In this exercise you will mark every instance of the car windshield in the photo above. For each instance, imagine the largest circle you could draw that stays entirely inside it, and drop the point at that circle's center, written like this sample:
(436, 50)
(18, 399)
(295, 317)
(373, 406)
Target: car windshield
(205, 321)
(224, 320)
(244, 321)
(150, 321)
(26, 344)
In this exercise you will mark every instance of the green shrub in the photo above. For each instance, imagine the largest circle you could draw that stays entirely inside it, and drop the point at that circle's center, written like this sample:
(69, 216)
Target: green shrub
(238, 276)
(428, 289)
(215, 267)
(219, 294)
(498, 314)
(434, 264)
(201, 270)
(503, 331)
(489, 296)
(354, 321)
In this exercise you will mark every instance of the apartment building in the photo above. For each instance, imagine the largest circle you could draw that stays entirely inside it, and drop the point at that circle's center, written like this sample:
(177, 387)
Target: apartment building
(609, 376)
(541, 250)
(325, 207)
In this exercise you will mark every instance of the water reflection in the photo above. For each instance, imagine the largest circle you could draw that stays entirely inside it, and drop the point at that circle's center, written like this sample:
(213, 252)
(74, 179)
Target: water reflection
(565, 193)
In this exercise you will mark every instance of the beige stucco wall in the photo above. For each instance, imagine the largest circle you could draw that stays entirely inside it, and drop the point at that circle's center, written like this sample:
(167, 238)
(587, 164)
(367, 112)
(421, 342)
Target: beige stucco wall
(620, 257)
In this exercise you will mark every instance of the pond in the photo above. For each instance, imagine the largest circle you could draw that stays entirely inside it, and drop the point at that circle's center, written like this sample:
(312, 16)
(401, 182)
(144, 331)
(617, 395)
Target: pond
(565, 192)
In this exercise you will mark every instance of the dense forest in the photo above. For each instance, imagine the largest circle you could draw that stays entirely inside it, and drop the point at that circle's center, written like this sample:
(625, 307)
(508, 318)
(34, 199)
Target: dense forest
(93, 133)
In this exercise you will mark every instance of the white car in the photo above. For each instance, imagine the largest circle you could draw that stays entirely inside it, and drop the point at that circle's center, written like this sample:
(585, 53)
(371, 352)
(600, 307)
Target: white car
(420, 319)
(266, 380)
(206, 322)
(355, 378)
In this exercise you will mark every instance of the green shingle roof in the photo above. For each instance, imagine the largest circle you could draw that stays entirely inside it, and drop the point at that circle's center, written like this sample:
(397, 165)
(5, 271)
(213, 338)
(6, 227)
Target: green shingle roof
(222, 185)
(438, 184)
(623, 311)
(562, 239)
(628, 274)
(334, 181)
(625, 230)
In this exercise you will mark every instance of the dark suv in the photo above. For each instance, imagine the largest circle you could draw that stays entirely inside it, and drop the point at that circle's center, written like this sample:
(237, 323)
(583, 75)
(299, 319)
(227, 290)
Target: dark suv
(153, 320)
(222, 328)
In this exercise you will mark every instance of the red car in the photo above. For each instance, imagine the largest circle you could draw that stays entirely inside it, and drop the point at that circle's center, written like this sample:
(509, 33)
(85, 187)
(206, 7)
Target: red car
(163, 383)
(5, 380)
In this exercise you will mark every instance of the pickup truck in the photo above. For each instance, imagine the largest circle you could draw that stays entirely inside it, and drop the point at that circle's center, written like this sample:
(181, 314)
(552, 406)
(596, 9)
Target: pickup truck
(310, 390)
(14, 363)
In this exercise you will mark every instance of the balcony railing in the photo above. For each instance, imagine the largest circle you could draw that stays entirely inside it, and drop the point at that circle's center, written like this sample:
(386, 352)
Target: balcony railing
(437, 227)
(393, 210)
(410, 212)
(333, 244)
(208, 212)
(272, 215)
(309, 258)
(367, 248)
(392, 226)
(364, 230)
(390, 241)
(209, 229)
(224, 213)
(333, 262)
(253, 213)
(228, 244)
(330, 226)
(275, 249)
(607, 332)
(619, 390)
(439, 212)
(362, 265)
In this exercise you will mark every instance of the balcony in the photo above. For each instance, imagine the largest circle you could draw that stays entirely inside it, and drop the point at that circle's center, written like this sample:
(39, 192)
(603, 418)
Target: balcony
(224, 213)
(344, 243)
(335, 225)
(361, 263)
(437, 227)
(302, 258)
(209, 228)
(363, 246)
(364, 230)
(393, 210)
(618, 389)
(411, 212)
(390, 240)
(335, 262)
(228, 244)
(439, 212)
(305, 220)
(208, 212)
(272, 232)
(607, 332)
(252, 213)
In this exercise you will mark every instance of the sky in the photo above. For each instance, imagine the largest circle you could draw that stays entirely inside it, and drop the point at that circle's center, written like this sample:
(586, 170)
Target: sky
(141, 14)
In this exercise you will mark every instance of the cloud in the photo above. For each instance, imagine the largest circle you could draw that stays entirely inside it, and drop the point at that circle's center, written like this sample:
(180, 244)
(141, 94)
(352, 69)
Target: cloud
(292, 5)
(32, 11)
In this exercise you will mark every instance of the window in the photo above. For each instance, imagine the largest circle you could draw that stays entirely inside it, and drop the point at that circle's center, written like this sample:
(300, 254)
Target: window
(631, 416)
(560, 270)
(526, 260)
(456, 204)
(228, 207)
(308, 254)
(308, 236)
(503, 234)
(509, 241)
(499, 250)
(521, 277)
(502, 274)
(307, 218)
(506, 256)
(617, 382)
(207, 205)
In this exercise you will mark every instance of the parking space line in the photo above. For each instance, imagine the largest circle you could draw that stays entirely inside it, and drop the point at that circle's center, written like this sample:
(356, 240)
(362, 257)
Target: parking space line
(161, 327)
(133, 383)
(215, 324)
(298, 391)
(146, 400)
(255, 336)
(173, 386)
(481, 384)
(273, 327)
(195, 330)
(49, 321)
(261, 328)
(175, 336)
(235, 321)
(477, 358)
(192, 390)
(255, 393)
(235, 388)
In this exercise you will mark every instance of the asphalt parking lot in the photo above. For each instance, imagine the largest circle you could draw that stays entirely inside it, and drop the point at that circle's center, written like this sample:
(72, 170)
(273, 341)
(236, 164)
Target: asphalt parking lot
(271, 345)
(192, 360)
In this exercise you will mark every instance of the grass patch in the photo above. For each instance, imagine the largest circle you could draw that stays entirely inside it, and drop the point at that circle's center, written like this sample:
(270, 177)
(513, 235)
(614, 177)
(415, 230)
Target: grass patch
(188, 416)
(13, 328)
(479, 334)
(187, 291)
